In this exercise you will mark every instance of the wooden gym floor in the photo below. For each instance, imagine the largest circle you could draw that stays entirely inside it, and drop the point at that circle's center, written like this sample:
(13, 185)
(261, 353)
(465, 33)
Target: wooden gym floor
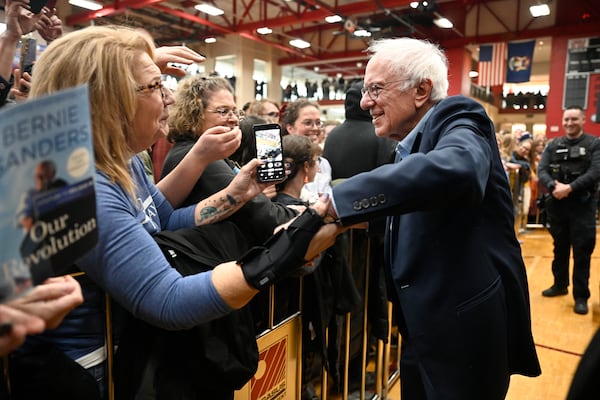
(561, 336)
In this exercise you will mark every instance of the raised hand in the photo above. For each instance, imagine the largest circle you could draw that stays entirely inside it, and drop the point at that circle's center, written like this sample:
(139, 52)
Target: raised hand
(175, 54)
(217, 143)
(19, 20)
(20, 90)
(245, 184)
(49, 26)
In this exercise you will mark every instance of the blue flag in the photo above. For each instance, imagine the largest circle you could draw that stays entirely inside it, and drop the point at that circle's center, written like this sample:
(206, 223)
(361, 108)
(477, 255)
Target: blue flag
(520, 59)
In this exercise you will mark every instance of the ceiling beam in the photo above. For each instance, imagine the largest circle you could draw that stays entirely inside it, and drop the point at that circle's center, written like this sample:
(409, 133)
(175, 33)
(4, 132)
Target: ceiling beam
(320, 14)
(223, 30)
(118, 7)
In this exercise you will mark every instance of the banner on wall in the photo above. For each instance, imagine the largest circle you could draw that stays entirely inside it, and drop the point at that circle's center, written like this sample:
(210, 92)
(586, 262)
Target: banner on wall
(492, 64)
(519, 62)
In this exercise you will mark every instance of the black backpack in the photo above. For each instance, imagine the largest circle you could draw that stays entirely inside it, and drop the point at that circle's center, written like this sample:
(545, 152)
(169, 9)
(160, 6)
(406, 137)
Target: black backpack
(210, 360)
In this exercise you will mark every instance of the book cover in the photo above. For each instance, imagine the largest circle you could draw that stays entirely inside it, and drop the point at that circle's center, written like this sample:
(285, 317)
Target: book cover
(47, 196)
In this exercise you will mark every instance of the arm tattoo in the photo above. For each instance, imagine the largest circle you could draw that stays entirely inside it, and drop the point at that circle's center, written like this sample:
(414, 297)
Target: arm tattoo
(207, 212)
(232, 201)
(217, 210)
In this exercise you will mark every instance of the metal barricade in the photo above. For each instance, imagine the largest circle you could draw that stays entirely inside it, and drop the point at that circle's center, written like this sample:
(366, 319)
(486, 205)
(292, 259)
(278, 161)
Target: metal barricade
(380, 365)
(279, 373)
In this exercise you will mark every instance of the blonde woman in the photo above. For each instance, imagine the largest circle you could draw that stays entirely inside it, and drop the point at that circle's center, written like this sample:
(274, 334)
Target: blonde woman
(129, 113)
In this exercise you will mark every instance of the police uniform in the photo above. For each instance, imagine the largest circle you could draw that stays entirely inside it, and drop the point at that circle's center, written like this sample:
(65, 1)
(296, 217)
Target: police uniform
(572, 220)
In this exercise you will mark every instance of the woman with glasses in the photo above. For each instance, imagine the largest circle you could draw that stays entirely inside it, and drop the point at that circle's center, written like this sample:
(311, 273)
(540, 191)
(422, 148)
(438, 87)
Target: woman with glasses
(265, 109)
(207, 104)
(303, 117)
(121, 68)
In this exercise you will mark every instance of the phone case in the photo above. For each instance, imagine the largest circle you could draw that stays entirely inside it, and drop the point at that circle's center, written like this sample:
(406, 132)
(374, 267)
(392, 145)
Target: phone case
(269, 150)
(36, 5)
(28, 54)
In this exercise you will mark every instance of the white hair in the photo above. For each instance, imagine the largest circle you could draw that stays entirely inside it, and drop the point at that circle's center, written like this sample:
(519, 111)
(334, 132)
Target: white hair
(416, 60)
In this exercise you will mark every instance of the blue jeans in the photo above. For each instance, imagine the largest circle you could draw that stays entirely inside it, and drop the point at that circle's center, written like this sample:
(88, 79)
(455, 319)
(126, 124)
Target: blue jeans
(99, 373)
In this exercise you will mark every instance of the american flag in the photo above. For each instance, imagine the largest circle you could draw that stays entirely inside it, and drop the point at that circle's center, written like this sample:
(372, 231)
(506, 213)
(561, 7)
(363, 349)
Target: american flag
(492, 64)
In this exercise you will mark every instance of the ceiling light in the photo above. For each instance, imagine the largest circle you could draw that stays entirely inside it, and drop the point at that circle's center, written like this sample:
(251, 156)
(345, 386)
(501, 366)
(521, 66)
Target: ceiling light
(362, 33)
(264, 30)
(210, 40)
(442, 22)
(539, 10)
(209, 9)
(299, 43)
(87, 4)
(316, 69)
(359, 64)
(473, 74)
(332, 19)
(414, 4)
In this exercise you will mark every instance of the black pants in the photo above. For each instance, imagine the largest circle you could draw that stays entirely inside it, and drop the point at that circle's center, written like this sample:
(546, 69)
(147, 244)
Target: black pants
(572, 224)
(416, 385)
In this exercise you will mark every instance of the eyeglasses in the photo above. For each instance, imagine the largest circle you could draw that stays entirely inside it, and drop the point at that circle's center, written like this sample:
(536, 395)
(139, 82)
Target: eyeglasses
(273, 114)
(375, 88)
(226, 112)
(310, 123)
(151, 88)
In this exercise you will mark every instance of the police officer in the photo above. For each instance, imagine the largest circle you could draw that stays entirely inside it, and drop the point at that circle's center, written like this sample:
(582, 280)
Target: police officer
(570, 169)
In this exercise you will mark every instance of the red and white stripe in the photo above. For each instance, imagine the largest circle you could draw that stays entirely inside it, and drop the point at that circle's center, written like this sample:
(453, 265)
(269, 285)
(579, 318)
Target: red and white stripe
(494, 73)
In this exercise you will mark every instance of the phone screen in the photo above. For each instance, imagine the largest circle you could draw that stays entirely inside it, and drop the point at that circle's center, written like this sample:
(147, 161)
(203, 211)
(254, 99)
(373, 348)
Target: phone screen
(37, 5)
(269, 150)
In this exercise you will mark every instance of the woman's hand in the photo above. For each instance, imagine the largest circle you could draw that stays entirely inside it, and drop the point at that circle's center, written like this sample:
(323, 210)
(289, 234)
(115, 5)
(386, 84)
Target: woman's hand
(270, 191)
(325, 237)
(51, 301)
(20, 90)
(246, 185)
(49, 26)
(19, 20)
(175, 54)
(217, 143)
(16, 325)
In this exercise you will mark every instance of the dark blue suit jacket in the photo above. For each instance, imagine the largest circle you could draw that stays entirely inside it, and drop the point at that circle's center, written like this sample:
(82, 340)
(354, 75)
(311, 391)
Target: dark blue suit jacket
(459, 279)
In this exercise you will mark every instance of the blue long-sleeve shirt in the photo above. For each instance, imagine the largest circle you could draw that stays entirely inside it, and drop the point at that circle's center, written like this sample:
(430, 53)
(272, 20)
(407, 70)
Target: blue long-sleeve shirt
(129, 265)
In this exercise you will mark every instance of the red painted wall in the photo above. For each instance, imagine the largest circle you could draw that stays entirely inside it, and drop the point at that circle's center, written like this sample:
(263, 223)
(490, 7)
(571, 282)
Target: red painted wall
(554, 112)
(459, 65)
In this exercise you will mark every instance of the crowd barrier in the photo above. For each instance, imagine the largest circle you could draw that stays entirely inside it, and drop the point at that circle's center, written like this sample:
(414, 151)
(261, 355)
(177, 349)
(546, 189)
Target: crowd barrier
(279, 372)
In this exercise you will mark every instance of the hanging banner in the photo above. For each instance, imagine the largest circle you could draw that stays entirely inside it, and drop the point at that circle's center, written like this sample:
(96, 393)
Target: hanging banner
(520, 60)
(492, 64)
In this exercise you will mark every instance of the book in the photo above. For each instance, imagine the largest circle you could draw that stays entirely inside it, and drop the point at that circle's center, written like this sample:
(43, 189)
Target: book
(47, 194)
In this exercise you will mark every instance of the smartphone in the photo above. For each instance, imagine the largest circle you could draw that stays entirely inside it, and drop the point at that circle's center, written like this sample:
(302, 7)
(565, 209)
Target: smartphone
(27, 57)
(269, 149)
(36, 5)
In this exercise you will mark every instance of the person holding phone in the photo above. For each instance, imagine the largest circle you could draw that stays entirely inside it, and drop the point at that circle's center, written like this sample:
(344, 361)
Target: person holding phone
(207, 105)
(303, 117)
(21, 21)
(132, 108)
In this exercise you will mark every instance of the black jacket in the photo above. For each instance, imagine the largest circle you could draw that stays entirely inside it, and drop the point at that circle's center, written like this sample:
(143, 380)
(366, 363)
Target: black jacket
(256, 219)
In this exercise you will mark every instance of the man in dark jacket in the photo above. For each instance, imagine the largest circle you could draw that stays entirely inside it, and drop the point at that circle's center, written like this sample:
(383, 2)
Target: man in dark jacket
(459, 283)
